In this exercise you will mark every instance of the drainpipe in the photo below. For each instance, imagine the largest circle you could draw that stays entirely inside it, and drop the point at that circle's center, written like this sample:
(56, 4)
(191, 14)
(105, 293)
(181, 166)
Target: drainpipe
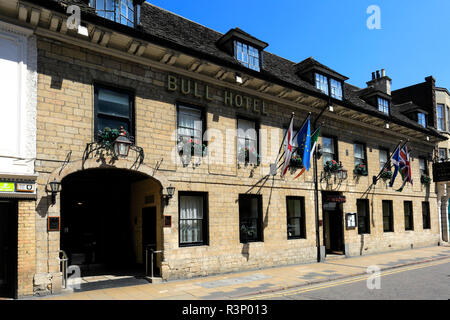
(316, 187)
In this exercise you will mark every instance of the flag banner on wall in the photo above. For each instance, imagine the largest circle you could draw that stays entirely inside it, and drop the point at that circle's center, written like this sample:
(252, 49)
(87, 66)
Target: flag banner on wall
(405, 167)
(288, 147)
(395, 162)
(308, 155)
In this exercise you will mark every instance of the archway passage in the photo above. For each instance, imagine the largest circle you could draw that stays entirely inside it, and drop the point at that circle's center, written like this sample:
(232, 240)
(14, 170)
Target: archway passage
(99, 230)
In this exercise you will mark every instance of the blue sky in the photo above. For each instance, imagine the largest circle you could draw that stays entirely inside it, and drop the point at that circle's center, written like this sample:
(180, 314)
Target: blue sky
(413, 42)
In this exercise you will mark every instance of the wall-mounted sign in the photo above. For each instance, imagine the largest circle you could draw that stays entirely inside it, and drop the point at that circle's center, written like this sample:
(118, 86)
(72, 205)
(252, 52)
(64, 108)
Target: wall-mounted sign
(26, 187)
(19, 190)
(441, 171)
(53, 224)
(335, 198)
(167, 221)
(7, 186)
(231, 99)
(350, 220)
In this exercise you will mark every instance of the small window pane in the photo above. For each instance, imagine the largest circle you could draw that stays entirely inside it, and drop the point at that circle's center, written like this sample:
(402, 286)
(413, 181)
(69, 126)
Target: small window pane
(383, 158)
(422, 119)
(426, 215)
(113, 103)
(440, 117)
(408, 207)
(387, 216)
(322, 83)
(295, 218)
(383, 105)
(363, 216)
(112, 124)
(192, 219)
(359, 156)
(336, 89)
(250, 218)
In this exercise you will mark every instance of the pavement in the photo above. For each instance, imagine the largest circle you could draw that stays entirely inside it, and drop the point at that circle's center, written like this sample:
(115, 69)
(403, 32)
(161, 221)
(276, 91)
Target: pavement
(243, 285)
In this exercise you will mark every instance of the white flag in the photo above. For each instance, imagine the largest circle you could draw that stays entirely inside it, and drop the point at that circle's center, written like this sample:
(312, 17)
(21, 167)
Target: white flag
(288, 147)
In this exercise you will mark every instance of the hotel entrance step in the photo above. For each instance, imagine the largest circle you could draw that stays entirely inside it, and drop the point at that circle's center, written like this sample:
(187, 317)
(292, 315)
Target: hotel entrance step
(332, 256)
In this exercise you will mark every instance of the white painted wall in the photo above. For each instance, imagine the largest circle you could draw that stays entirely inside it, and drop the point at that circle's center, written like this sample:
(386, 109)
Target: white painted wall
(18, 99)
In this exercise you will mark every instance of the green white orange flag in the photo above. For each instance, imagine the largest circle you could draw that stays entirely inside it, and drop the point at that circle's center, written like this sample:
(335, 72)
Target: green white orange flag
(314, 139)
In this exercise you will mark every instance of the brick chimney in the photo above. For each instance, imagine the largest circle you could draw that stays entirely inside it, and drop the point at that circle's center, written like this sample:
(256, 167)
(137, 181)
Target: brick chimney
(380, 81)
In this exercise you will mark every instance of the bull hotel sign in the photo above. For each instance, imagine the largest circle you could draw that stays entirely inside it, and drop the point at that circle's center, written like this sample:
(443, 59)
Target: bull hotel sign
(194, 89)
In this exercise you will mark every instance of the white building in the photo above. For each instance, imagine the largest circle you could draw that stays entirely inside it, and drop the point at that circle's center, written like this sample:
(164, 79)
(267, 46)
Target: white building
(18, 99)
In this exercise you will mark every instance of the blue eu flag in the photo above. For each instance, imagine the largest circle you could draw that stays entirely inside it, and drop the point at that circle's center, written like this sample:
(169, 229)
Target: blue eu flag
(304, 144)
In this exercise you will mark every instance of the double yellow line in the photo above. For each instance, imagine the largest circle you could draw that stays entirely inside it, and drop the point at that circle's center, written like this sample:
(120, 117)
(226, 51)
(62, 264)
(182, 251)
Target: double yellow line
(342, 282)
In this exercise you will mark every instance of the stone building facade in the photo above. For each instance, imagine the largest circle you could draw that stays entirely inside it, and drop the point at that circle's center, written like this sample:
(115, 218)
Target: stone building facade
(227, 213)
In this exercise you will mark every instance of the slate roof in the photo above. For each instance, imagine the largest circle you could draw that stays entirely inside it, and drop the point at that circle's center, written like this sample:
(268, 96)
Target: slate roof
(165, 28)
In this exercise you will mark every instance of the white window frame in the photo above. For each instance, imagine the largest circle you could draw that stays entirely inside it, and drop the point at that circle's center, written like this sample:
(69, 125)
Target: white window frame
(247, 55)
(440, 120)
(383, 105)
(336, 89)
(322, 83)
(422, 119)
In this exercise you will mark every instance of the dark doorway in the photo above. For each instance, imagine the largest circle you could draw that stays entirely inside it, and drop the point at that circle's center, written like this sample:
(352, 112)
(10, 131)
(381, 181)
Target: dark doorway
(96, 226)
(8, 248)
(333, 226)
(149, 239)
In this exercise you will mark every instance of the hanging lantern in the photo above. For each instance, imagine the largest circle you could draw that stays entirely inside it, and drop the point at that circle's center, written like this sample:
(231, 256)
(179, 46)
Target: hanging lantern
(122, 144)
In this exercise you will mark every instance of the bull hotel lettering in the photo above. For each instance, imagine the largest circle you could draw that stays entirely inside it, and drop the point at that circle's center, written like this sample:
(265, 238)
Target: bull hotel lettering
(193, 88)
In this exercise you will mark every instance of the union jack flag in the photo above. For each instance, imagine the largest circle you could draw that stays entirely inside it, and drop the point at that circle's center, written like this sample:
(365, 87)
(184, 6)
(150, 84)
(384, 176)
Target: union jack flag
(401, 162)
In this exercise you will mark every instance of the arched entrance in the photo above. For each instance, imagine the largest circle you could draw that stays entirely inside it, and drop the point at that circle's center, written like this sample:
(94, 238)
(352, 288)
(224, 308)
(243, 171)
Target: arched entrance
(104, 219)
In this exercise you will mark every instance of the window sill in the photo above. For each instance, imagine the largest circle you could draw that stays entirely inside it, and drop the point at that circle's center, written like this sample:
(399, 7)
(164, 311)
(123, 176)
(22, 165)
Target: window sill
(255, 241)
(296, 238)
(194, 245)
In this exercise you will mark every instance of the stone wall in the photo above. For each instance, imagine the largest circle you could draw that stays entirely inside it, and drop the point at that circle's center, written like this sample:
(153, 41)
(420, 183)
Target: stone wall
(65, 124)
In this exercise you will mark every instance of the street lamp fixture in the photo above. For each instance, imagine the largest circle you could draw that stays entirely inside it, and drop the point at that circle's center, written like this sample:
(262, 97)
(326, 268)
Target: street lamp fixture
(170, 192)
(342, 174)
(55, 188)
(122, 144)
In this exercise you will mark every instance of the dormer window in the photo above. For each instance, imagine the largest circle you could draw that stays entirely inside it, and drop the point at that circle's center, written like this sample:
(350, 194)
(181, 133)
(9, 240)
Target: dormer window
(421, 118)
(322, 83)
(332, 87)
(244, 47)
(247, 55)
(126, 12)
(383, 105)
(336, 89)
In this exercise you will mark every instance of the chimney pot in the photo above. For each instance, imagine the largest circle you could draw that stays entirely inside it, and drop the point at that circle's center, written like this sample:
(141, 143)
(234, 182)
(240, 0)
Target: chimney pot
(383, 73)
(373, 75)
(378, 74)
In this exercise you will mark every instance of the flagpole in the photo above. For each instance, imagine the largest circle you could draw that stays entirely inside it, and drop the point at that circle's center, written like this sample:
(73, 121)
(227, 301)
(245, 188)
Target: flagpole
(282, 141)
(388, 162)
(309, 115)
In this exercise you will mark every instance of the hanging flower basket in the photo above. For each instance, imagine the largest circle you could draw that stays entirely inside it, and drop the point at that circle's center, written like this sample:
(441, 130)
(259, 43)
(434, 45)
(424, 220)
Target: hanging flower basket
(331, 166)
(107, 136)
(424, 179)
(386, 174)
(361, 170)
(194, 146)
(296, 161)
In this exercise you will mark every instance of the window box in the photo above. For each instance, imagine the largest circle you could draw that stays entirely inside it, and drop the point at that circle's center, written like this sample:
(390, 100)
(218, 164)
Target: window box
(193, 146)
(361, 170)
(331, 166)
(386, 174)
(424, 179)
(296, 162)
(249, 156)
